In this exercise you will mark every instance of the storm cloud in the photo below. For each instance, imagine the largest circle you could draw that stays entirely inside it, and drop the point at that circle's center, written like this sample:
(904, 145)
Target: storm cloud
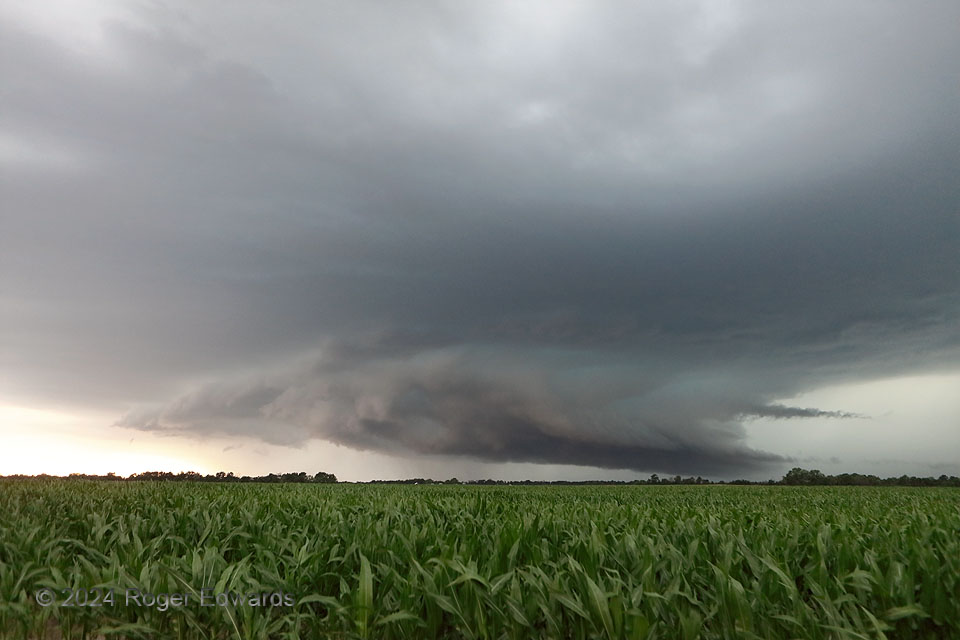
(780, 411)
(566, 233)
(477, 402)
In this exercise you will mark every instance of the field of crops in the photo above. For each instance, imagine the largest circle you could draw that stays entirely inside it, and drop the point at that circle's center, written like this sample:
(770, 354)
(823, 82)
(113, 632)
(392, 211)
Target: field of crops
(345, 561)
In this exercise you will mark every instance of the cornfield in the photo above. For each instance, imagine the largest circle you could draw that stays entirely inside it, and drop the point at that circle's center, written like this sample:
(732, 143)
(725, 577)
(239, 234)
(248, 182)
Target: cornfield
(479, 562)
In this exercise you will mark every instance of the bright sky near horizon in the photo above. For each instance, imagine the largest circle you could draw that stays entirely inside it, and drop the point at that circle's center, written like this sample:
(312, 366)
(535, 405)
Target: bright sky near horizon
(511, 240)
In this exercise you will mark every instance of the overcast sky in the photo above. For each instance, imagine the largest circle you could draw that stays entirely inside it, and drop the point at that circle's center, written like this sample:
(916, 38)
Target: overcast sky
(501, 239)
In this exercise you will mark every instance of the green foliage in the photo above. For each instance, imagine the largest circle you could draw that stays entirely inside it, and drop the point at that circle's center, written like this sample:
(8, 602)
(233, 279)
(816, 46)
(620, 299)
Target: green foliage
(485, 562)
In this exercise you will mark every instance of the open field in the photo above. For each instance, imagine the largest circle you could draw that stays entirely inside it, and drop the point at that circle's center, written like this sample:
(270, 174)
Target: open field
(478, 562)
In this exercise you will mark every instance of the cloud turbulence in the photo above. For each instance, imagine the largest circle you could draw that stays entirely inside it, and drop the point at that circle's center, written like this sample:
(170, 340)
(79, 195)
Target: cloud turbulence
(564, 233)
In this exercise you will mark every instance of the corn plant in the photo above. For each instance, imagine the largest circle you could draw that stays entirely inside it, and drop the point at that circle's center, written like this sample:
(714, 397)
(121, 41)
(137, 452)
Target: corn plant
(476, 562)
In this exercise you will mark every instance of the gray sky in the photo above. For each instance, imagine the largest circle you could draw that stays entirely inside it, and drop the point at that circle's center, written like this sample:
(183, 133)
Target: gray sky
(567, 239)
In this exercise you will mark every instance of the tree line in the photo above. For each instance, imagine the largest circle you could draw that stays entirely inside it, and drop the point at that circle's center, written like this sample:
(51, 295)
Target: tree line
(798, 476)
(193, 476)
(794, 477)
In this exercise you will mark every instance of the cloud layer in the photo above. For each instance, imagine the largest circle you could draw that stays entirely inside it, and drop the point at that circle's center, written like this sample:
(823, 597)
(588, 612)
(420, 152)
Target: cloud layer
(480, 403)
(592, 235)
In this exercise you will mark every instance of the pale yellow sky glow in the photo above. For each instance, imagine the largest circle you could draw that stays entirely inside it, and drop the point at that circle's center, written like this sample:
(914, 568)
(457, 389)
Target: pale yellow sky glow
(38, 441)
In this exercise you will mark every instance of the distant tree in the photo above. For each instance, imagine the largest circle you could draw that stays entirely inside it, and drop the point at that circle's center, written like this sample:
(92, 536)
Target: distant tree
(798, 476)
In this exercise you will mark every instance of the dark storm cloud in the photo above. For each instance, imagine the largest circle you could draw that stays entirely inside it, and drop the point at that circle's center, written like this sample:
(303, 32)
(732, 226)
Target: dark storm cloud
(589, 236)
(780, 411)
(483, 403)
